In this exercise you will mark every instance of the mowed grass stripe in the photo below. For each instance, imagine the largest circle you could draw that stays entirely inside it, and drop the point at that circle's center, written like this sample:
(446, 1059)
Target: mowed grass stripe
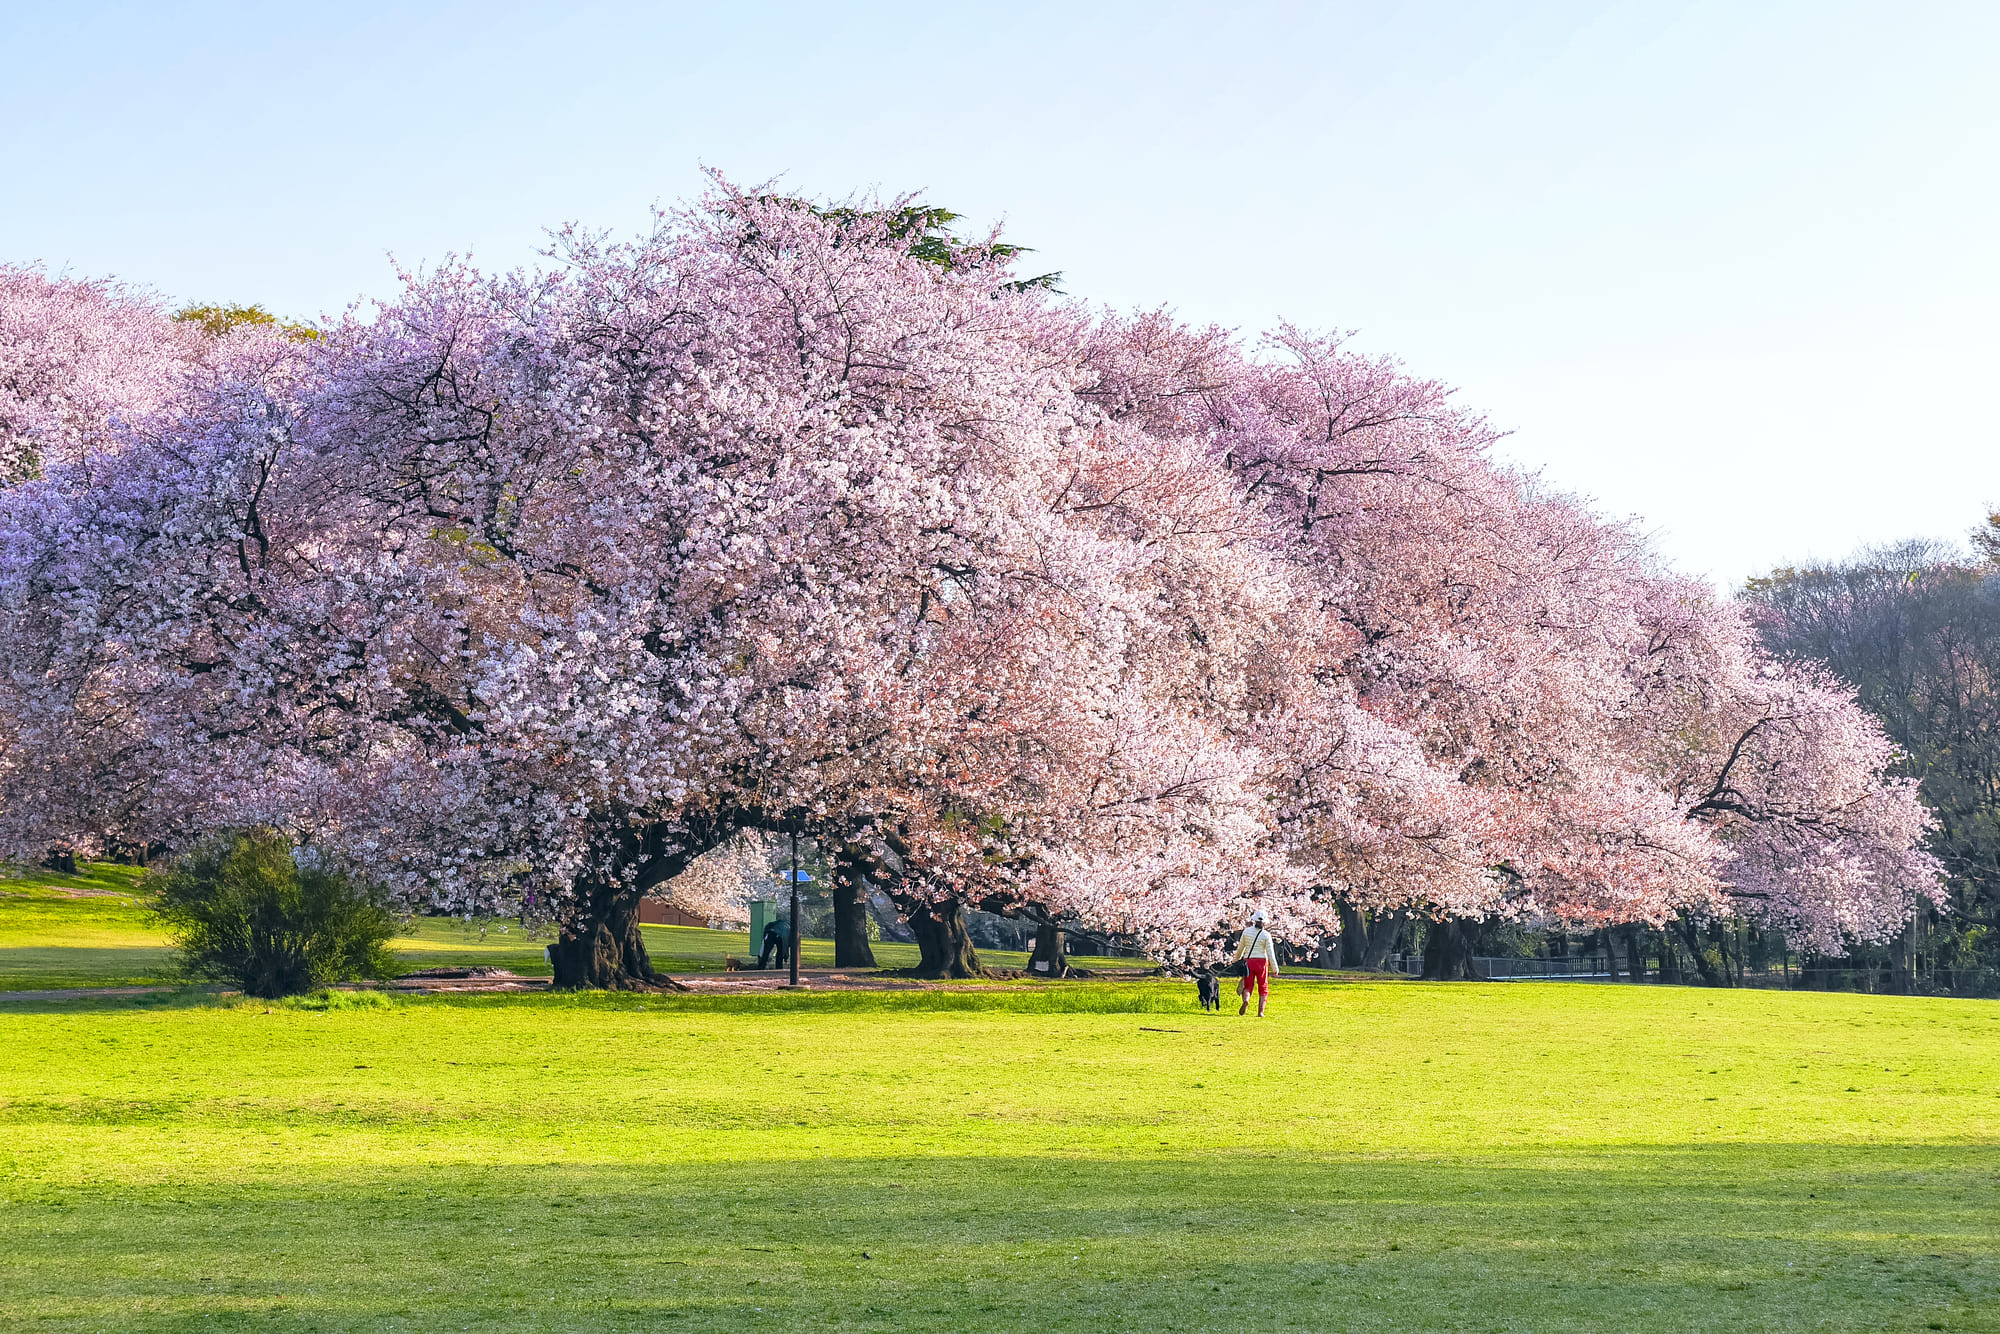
(1466, 1066)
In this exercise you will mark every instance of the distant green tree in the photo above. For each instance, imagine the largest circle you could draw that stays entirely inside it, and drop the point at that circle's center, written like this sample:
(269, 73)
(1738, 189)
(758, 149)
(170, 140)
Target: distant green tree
(216, 321)
(1916, 629)
(240, 909)
(926, 228)
(1986, 538)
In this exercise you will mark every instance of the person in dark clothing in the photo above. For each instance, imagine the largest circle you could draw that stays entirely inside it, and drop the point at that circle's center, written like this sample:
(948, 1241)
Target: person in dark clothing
(775, 935)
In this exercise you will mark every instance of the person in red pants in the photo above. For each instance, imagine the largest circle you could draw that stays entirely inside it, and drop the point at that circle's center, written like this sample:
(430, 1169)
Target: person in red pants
(1259, 958)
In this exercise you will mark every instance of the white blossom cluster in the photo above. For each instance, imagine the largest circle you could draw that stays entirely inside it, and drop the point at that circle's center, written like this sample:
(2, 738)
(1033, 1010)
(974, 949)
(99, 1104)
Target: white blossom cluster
(529, 591)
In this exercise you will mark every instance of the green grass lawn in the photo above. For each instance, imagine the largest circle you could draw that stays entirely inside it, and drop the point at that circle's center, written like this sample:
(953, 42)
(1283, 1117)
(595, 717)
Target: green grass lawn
(1390, 1156)
(84, 930)
(94, 930)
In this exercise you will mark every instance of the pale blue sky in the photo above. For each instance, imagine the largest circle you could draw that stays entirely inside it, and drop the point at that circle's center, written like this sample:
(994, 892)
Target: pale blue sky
(1731, 267)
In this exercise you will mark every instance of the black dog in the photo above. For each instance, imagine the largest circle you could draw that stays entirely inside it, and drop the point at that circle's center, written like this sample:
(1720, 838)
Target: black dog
(1210, 989)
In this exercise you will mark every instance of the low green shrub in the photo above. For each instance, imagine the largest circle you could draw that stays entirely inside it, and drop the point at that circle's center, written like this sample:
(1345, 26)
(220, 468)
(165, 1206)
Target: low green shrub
(239, 908)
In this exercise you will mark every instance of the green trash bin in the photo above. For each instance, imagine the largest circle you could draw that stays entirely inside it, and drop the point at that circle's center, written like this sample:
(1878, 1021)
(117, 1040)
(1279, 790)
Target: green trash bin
(762, 913)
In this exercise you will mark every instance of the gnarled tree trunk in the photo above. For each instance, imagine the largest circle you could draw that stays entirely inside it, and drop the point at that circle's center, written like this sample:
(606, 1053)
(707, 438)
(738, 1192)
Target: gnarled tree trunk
(1051, 956)
(1354, 935)
(1383, 933)
(1670, 960)
(1903, 958)
(135, 854)
(944, 946)
(1704, 962)
(600, 946)
(1635, 955)
(1448, 950)
(604, 950)
(1329, 951)
(850, 908)
(1368, 938)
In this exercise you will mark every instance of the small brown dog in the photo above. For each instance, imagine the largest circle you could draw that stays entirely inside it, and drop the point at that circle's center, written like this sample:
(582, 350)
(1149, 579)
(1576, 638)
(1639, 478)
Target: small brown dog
(731, 964)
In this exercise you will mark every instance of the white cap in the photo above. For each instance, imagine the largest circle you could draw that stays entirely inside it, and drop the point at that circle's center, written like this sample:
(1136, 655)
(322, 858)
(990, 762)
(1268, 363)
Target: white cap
(1257, 916)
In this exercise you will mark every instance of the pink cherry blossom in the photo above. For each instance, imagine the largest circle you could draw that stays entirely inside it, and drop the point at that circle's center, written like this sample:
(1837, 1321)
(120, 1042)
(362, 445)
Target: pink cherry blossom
(526, 592)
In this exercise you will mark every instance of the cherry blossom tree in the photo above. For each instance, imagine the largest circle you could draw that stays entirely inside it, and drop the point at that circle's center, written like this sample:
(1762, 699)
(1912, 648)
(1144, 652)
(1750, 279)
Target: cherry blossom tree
(1500, 709)
(107, 707)
(74, 356)
(531, 591)
(534, 589)
(1789, 776)
(719, 884)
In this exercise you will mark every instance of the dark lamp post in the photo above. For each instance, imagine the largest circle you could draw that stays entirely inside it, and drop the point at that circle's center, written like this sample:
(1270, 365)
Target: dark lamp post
(796, 942)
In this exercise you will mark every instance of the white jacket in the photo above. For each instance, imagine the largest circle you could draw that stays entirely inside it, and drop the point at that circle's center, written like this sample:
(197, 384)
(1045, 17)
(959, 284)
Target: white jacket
(1256, 944)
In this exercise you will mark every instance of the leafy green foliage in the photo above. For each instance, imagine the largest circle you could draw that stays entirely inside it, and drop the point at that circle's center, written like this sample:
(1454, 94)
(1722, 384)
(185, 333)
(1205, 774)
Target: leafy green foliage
(241, 910)
(926, 230)
(216, 321)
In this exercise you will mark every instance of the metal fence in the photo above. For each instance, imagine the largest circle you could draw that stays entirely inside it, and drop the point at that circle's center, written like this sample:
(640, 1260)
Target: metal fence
(1578, 968)
(1598, 968)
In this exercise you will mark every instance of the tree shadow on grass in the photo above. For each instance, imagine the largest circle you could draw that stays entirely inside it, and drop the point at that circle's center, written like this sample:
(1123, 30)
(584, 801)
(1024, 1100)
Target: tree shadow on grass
(37, 967)
(158, 996)
(1731, 1238)
(1040, 998)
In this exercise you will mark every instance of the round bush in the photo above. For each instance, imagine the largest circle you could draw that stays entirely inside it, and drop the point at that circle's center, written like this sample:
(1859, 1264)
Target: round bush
(240, 909)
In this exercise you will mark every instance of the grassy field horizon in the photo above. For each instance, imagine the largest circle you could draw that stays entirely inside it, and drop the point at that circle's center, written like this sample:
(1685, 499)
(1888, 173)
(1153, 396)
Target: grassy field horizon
(1374, 1156)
